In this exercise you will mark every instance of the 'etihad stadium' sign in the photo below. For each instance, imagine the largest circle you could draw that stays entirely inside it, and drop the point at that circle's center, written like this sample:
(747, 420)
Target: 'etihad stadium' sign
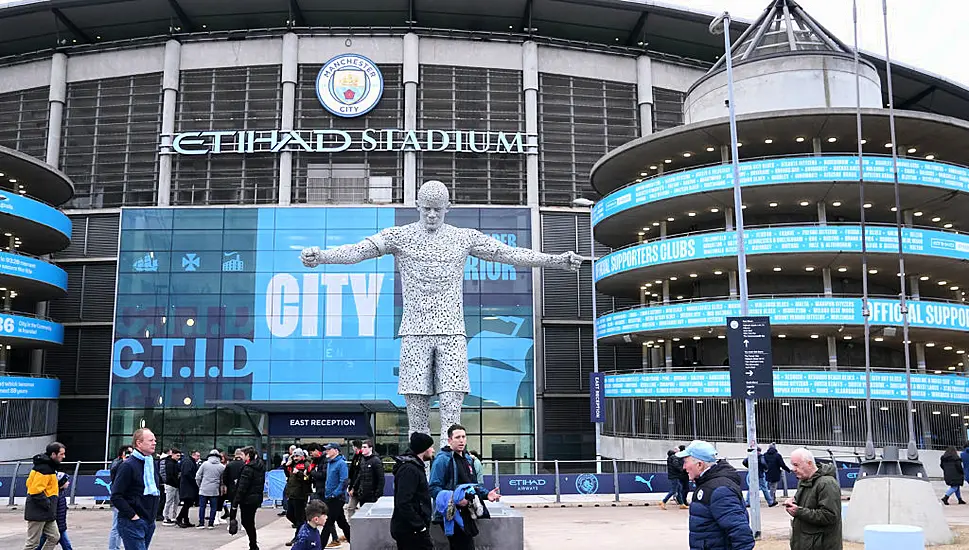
(335, 141)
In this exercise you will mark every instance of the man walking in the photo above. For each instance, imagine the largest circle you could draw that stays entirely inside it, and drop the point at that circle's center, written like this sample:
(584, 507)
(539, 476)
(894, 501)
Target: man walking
(208, 477)
(369, 485)
(452, 467)
(135, 492)
(816, 507)
(411, 521)
(718, 519)
(188, 489)
(674, 470)
(114, 538)
(337, 479)
(775, 463)
(40, 510)
(761, 481)
(230, 479)
(169, 473)
(354, 470)
(249, 492)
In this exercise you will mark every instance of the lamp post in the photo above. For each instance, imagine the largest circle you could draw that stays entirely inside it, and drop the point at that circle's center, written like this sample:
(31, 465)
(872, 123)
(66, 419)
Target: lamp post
(582, 202)
(721, 25)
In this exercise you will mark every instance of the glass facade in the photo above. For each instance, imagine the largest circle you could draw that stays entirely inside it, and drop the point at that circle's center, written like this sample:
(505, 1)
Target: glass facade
(215, 310)
(23, 121)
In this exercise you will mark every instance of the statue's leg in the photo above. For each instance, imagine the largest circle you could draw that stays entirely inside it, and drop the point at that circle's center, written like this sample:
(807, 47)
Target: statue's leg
(418, 413)
(451, 402)
(451, 379)
(416, 382)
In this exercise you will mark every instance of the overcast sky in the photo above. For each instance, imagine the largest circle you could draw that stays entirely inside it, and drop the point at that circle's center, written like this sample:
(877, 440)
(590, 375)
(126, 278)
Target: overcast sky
(929, 34)
(932, 35)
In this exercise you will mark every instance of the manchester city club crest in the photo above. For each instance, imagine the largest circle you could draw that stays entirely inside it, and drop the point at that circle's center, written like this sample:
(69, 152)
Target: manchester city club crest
(587, 484)
(349, 85)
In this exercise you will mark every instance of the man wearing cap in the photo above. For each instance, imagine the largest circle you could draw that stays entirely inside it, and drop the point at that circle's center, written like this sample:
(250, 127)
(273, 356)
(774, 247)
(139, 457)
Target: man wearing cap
(718, 517)
(410, 525)
(335, 495)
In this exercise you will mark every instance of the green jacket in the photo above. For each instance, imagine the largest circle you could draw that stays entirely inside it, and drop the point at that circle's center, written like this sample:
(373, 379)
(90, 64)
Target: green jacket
(817, 523)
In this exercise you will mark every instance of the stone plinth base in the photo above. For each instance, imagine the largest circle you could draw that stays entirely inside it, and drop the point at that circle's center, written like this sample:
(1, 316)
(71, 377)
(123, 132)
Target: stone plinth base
(370, 527)
(896, 501)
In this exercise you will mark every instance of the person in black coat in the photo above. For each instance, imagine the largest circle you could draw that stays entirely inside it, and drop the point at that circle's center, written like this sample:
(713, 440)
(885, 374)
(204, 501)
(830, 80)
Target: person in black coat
(136, 492)
(674, 471)
(775, 463)
(952, 474)
(230, 478)
(249, 493)
(369, 484)
(188, 489)
(411, 521)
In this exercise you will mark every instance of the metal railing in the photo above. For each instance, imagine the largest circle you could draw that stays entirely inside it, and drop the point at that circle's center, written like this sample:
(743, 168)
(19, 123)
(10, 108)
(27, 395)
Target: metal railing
(27, 417)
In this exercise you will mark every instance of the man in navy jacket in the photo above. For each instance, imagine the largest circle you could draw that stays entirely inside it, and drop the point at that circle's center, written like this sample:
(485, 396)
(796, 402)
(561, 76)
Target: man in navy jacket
(718, 517)
(135, 492)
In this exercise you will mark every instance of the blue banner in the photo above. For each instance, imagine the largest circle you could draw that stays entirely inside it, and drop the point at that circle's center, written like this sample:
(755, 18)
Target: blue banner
(785, 240)
(23, 387)
(18, 265)
(780, 172)
(597, 404)
(30, 328)
(311, 424)
(794, 383)
(793, 311)
(35, 211)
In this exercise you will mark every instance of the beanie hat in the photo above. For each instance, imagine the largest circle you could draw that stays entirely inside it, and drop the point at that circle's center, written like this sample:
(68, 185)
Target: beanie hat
(420, 442)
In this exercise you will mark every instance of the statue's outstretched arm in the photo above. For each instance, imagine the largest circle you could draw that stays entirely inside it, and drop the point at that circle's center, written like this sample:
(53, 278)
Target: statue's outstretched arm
(491, 249)
(346, 254)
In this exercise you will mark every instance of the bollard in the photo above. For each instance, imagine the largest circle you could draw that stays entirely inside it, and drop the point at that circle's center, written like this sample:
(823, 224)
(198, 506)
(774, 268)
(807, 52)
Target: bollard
(13, 483)
(77, 468)
(497, 479)
(615, 478)
(558, 492)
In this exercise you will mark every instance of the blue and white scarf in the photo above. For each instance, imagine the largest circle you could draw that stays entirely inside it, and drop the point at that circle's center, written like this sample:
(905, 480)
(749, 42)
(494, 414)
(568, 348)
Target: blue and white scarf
(149, 477)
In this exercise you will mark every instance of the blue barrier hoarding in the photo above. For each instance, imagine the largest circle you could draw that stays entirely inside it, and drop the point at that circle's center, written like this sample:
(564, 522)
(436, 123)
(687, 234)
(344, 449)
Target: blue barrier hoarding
(31, 328)
(23, 387)
(779, 172)
(785, 240)
(35, 211)
(784, 311)
(18, 265)
(794, 383)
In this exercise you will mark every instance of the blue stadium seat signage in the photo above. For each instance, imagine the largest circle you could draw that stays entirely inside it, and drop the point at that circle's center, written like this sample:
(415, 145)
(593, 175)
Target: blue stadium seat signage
(779, 172)
(795, 383)
(18, 265)
(15, 205)
(785, 240)
(23, 387)
(30, 328)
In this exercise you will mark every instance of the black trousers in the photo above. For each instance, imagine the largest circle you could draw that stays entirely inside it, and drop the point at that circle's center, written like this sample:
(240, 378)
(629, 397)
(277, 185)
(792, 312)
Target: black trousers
(183, 513)
(416, 541)
(248, 521)
(296, 513)
(460, 540)
(335, 514)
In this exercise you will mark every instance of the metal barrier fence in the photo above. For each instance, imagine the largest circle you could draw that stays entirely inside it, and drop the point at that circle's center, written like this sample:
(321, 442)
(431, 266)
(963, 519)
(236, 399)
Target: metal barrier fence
(546, 478)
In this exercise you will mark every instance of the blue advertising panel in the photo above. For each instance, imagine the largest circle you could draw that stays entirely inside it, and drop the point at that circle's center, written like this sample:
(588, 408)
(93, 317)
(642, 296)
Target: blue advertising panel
(781, 171)
(318, 424)
(23, 387)
(794, 383)
(214, 304)
(30, 328)
(784, 240)
(36, 211)
(18, 265)
(786, 311)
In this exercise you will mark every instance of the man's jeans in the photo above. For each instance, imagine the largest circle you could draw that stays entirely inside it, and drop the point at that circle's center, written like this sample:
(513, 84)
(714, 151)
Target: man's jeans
(674, 490)
(136, 534)
(768, 496)
(64, 542)
(114, 538)
(171, 502)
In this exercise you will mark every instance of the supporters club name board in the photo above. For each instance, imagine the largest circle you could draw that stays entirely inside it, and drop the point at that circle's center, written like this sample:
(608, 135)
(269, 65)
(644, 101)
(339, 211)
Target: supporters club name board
(802, 311)
(846, 385)
(781, 171)
(785, 241)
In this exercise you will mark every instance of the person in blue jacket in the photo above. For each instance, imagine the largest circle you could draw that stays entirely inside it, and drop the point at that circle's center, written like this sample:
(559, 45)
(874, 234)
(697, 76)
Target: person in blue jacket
(335, 493)
(965, 462)
(62, 484)
(718, 517)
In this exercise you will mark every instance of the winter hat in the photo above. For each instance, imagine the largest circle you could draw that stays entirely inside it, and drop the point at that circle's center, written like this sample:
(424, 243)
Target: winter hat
(215, 452)
(62, 479)
(299, 452)
(420, 442)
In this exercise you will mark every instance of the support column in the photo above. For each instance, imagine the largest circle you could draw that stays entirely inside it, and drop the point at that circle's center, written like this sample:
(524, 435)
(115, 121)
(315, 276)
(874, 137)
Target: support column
(920, 357)
(833, 352)
(530, 89)
(816, 145)
(170, 83)
(666, 292)
(411, 78)
(644, 94)
(662, 230)
(908, 218)
(732, 283)
(913, 287)
(822, 213)
(826, 281)
(728, 217)
(668, 346)
(56, 99)
(288, 116)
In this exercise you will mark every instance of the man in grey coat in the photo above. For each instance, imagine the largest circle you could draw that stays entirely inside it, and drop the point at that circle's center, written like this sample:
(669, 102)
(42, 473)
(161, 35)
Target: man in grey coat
(209, 479)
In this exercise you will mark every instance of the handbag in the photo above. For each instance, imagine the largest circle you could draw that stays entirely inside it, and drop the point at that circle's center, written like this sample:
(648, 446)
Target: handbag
(233, 526)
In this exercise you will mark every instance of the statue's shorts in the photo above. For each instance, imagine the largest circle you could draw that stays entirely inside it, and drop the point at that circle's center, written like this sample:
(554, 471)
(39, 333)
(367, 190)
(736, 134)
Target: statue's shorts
(430, 365)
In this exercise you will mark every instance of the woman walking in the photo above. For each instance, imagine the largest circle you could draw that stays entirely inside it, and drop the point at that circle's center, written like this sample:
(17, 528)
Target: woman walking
(249, 493)
(953, 474)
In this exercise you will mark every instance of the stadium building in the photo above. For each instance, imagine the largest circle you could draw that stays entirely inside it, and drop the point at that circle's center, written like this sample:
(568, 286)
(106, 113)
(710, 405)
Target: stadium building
(196, 147)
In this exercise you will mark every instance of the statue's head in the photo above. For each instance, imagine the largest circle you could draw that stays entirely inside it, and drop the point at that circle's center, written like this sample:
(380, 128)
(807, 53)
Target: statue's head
(433, 202)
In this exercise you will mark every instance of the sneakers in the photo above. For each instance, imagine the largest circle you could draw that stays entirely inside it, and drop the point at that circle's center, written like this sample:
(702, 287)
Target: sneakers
(200, 526)
(945, 500)
(291, 542)
(211, 526)
(168, 522)
(218, 520)
(684, 507)
(334, 544)
(662, 505)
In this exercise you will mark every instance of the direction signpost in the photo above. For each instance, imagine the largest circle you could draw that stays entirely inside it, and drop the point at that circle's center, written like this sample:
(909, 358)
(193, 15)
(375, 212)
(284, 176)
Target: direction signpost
(749, 355)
